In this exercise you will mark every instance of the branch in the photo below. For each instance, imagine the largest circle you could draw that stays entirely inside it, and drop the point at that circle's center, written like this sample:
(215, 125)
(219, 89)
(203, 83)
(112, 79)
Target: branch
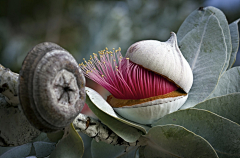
(100, 132)
(85, 124)
(9, 85)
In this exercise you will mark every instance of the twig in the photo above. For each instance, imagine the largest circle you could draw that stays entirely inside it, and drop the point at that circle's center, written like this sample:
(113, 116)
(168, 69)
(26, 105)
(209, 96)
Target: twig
(87, 125)
(95, 129)
(9, 85)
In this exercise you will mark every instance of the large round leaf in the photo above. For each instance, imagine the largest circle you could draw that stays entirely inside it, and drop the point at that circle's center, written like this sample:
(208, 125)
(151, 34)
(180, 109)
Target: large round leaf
(55, 136)
(43, 149)
(224, 25)
(130, 152)
(4, 149)
(16, 152)
(227, 106)
(144, 152)
(228, 83)
(127, 130)
(226, 32)
(102, 149)
(42, 137)
(176, 141)
(69, 146)
(87, 145)
(40, 147)
(202, 42)
(235, 42)
(221, 133)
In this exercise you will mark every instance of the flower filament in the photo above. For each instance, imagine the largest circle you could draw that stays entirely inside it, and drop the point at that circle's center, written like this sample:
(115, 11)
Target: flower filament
(123, 78)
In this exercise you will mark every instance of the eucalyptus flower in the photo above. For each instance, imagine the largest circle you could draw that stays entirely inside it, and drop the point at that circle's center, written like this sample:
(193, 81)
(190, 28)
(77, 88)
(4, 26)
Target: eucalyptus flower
(152, 80)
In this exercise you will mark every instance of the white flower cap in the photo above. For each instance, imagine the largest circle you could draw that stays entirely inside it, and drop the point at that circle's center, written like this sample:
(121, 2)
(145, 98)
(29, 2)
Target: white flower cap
(164, 58)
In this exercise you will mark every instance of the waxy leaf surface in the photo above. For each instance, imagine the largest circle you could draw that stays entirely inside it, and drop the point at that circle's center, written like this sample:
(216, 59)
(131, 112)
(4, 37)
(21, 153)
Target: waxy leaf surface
(16, 152)
(71, 145)
(42, 137)
(43, 149)
(42, 146)
(130, 153)
(225, 27)
(56, 136)
(176, 141)
(226, 32)
(227, 106)
(228, 83)
(39, 147)
(127, 130)
(223, 134)
(87, 144)
(102, 149)
(202, 42)
(235, 42)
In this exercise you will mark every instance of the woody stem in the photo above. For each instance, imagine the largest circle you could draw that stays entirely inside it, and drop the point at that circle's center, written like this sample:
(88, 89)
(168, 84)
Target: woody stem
(82, 123)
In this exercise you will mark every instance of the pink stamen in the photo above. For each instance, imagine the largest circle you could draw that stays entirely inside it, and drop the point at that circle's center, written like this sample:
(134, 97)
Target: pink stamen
(123, 78)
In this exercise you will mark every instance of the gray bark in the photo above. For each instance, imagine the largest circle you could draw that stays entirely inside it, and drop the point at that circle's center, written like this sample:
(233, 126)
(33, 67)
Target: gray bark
(14, 132)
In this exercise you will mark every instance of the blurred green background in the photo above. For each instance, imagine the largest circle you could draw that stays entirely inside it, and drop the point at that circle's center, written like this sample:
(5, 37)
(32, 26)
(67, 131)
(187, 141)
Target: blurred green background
(84, 27)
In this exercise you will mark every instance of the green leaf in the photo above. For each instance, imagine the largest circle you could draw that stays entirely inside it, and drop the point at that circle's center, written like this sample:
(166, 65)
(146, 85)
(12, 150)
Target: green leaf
(4, 149)
(227, 106)
(43, 149)
(127, 130)
(235, 41)
(42, 146)
(202, 42)
(102, 149)
(226, 31)
(154, 153)
(228, 83)
(141, 152)
(87, 145)
(18, 151)
(69, 146)
(224, 25)
(221, 133)
(130, 153)
(41, 137)
(176, 141)
(55, 136)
